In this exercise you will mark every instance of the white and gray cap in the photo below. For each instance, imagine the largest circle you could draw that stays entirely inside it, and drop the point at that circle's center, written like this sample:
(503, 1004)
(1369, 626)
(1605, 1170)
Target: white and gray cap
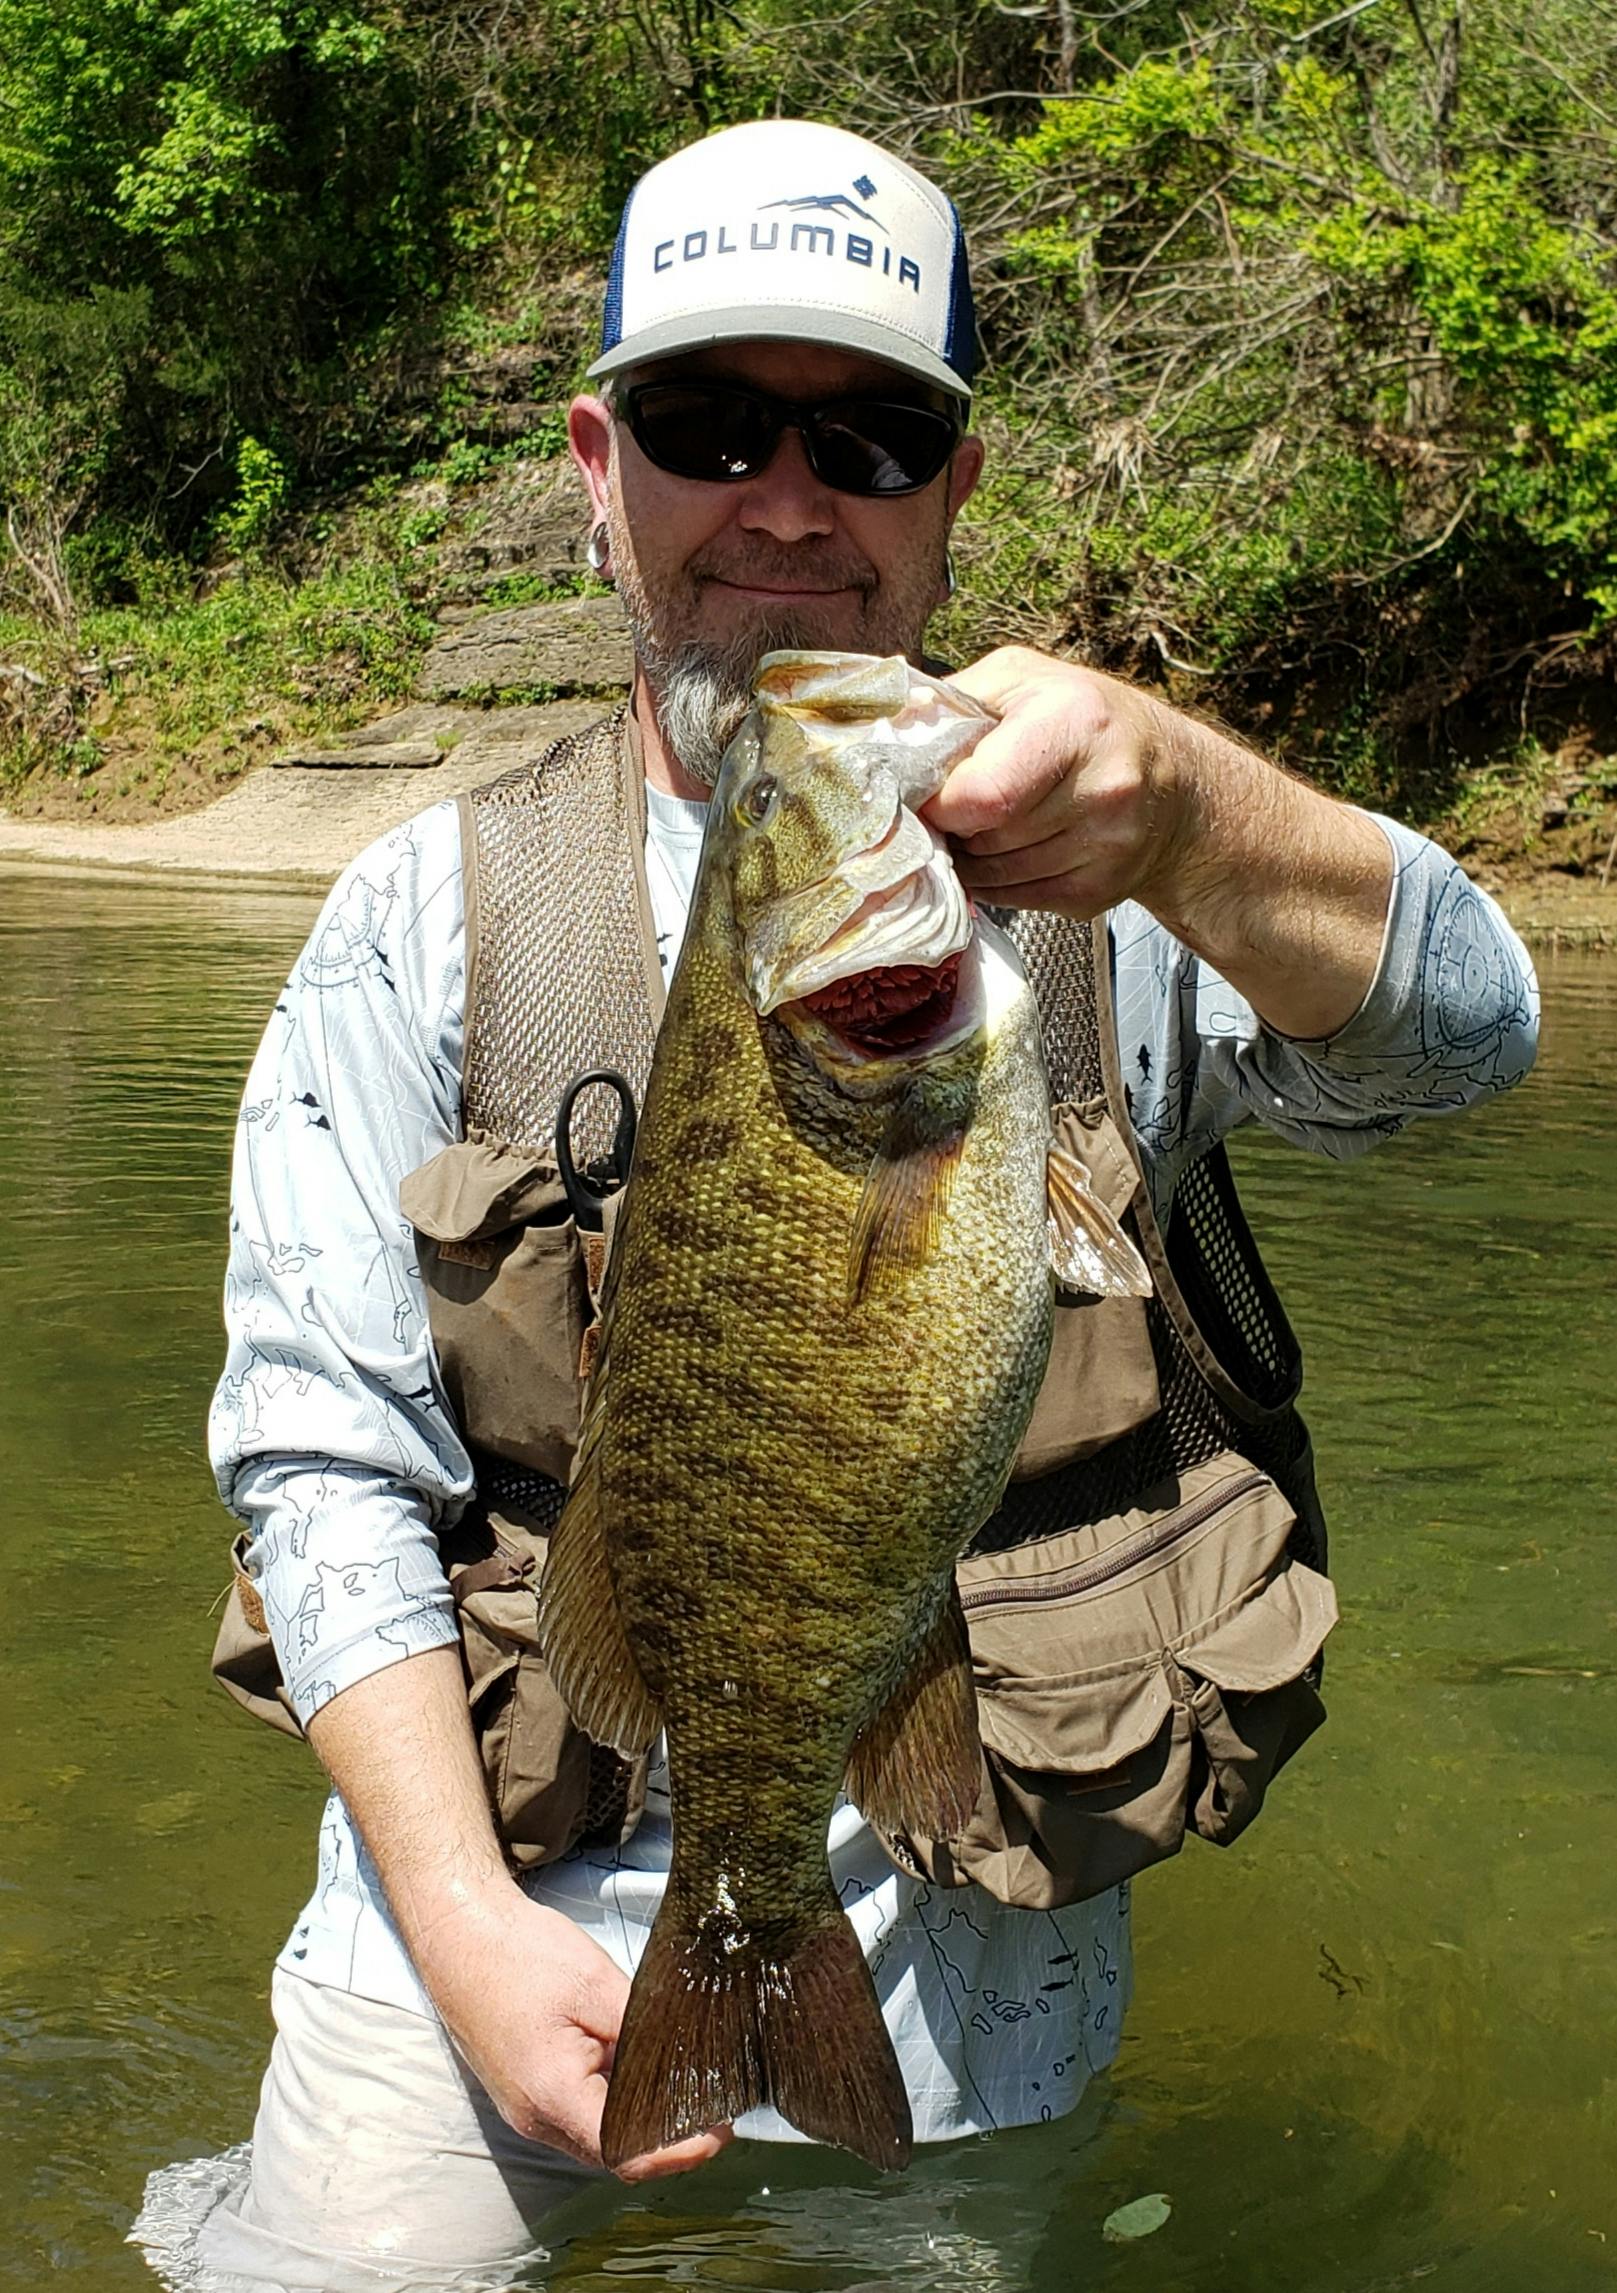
(790, 230)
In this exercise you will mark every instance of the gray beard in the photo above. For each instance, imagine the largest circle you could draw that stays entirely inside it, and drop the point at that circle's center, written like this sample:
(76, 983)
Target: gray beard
(702, 692)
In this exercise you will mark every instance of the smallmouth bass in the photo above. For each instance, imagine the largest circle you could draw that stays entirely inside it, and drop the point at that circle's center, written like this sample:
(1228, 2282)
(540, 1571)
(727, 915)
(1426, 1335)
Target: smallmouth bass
(827, 1315)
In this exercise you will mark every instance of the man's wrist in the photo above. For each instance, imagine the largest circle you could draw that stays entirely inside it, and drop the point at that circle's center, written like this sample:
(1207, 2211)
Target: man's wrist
(1180, 760)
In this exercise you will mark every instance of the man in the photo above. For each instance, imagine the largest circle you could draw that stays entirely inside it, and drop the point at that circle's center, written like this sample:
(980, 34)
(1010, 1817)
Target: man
(777, 456)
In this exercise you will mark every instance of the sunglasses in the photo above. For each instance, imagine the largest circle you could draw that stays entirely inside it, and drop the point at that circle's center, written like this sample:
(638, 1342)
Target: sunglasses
(722, 432)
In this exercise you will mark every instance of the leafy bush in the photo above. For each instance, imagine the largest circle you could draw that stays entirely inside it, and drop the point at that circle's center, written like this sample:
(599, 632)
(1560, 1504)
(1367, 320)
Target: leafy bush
(1301, 321)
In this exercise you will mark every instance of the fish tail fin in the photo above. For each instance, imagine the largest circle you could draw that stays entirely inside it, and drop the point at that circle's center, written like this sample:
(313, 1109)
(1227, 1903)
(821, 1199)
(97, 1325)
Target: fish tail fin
(709, 2033)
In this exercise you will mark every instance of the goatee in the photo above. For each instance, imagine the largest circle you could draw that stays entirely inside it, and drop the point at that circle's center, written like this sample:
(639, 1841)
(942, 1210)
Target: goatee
(701, 691)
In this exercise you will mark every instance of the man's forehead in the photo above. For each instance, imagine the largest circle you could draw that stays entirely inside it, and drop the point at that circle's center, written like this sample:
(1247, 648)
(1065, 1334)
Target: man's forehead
(796, 369)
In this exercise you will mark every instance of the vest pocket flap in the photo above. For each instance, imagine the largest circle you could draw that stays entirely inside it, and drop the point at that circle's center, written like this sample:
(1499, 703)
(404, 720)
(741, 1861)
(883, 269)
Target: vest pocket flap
(1075, 1638)
(1267, 1640)
(478, 1187)
(1090, 1133)
(494, 1563)
(1064, 1728)
(1101, 1378)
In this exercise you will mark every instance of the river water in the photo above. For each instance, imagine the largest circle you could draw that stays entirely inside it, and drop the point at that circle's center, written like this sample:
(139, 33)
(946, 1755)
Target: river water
(1372, 2044)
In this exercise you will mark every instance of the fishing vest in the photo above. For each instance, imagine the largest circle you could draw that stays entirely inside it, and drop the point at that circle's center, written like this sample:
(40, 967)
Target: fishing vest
(1147, 1606)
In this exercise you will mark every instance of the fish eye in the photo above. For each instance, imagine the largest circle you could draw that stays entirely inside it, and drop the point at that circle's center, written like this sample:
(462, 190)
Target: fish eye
(757, 799)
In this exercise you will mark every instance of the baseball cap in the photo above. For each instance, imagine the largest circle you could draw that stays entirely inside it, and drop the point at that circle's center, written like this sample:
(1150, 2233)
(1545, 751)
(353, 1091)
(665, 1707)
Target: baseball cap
(791, 230)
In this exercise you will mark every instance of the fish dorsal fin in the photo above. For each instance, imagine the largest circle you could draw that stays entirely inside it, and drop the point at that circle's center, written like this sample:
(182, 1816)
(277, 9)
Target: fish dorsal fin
(1088, 1248)
(917, 1769)
(900, 1215)
(581, 1628)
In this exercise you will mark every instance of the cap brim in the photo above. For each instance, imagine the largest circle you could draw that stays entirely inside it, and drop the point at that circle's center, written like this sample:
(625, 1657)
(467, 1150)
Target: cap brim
(835, 330)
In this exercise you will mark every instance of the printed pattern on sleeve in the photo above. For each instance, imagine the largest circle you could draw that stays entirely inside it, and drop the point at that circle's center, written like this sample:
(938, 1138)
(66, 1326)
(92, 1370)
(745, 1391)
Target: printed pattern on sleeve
(1451, 1017)
(328, 1434)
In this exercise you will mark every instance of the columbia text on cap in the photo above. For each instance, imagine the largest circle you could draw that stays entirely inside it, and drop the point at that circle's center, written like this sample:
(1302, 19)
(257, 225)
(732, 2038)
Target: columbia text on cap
(789, 230)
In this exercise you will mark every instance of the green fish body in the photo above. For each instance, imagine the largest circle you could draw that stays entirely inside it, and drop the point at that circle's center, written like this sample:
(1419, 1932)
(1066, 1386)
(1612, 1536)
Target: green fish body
(828, 1314)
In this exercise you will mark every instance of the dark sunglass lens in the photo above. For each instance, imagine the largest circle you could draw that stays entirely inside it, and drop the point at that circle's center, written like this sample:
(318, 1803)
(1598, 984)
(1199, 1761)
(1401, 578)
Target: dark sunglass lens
(696, 431)
(877, 448)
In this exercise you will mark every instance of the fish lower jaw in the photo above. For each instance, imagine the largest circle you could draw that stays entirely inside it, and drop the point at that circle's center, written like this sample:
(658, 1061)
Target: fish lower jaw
(920, 920)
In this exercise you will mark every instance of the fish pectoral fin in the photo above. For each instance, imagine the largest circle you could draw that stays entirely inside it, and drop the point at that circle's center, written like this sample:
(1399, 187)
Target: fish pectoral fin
(581, 1635)
(900, 1215)
(1088, 1248)
(917, 1769)
(714, 2027)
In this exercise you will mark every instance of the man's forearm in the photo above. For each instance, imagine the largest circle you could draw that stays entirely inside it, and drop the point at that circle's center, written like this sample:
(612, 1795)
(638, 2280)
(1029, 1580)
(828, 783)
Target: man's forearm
(1089, 791)
(533, 2005)
(1283, 890)
(398, 1745)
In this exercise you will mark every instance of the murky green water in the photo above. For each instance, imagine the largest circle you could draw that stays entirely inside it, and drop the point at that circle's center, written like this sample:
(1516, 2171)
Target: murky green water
(1374, 2044)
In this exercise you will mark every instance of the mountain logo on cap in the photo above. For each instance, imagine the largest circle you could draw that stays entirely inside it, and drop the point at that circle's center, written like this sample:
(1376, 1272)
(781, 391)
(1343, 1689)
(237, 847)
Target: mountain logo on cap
(834, 203)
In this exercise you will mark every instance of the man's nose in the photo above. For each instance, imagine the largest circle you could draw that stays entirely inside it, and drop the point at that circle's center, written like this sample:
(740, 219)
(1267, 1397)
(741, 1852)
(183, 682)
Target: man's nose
(786, 500)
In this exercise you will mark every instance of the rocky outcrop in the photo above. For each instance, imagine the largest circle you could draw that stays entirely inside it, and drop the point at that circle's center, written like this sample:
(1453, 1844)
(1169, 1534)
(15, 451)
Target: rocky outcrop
(577, 646)
(531, 521)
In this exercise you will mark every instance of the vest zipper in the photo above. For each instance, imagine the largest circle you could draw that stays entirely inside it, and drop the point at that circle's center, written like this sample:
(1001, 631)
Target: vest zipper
(1122, 1558)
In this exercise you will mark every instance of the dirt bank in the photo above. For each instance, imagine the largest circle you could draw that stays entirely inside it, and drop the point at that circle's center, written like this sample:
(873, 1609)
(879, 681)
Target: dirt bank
(302, 823)
(295, 823)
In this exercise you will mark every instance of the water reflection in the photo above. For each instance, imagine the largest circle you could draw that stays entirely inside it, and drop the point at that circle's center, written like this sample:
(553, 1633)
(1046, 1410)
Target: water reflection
(1369, 2047)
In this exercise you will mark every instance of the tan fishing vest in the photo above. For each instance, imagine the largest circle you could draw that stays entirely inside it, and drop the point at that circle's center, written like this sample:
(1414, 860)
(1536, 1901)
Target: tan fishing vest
(1147, 1606)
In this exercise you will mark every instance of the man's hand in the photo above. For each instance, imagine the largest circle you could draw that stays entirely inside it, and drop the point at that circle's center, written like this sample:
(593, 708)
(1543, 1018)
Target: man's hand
(1069, 803)
(533, 2005)
(1089, 791)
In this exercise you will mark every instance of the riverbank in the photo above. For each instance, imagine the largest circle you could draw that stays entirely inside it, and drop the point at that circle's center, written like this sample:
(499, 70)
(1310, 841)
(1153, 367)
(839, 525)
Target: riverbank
(299, 824)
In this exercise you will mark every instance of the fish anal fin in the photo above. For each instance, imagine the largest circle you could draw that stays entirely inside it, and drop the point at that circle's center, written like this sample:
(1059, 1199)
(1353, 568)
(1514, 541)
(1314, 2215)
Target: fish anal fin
(1088, 1248)
(899, 1220)
(581, 1635)
(917, 1769)
(714, 2027)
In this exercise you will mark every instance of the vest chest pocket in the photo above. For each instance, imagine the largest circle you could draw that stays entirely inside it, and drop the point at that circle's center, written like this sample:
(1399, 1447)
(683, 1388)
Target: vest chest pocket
(1135, 1681)
(508, 1297)
(1102, 1376)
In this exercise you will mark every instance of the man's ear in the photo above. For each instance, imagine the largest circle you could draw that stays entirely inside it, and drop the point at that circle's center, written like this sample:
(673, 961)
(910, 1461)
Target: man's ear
(964, 471)
(589, 440)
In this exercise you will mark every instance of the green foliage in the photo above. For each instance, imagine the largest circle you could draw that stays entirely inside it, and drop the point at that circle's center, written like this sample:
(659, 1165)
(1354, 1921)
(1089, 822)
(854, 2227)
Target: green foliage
(259, 656)
(64, 369)
(1302, 324)
(261, 491)
(277, 179)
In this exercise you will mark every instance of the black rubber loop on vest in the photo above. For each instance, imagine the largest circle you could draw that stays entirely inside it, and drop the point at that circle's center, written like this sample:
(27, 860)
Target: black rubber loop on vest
(587, 1189)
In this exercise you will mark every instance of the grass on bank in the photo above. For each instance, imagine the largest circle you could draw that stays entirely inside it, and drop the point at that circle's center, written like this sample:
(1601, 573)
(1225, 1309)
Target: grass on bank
(178, 696)
(158, 704)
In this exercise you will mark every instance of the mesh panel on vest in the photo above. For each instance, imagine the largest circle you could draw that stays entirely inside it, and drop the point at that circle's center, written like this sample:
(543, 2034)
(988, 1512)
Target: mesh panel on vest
(1226, 1287)
(1056, 954)
(607, 1802)
(518, 1489)
(560, 987)
(561, 982)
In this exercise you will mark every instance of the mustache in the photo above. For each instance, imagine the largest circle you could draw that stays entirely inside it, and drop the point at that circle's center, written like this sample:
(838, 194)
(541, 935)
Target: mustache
(760, 566)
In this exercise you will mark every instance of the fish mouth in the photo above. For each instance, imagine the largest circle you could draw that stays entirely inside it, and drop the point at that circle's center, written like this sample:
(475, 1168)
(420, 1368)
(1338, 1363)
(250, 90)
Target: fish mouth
(897, 907)
(892, 1009)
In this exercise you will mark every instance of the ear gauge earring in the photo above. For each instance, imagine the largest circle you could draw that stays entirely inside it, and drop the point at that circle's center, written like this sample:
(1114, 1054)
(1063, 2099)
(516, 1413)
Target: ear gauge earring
(951, 575)
(598, 550)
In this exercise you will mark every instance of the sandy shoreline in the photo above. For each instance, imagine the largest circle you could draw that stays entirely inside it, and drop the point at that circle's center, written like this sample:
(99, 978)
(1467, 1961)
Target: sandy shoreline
(297, 825)
(298, 828)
